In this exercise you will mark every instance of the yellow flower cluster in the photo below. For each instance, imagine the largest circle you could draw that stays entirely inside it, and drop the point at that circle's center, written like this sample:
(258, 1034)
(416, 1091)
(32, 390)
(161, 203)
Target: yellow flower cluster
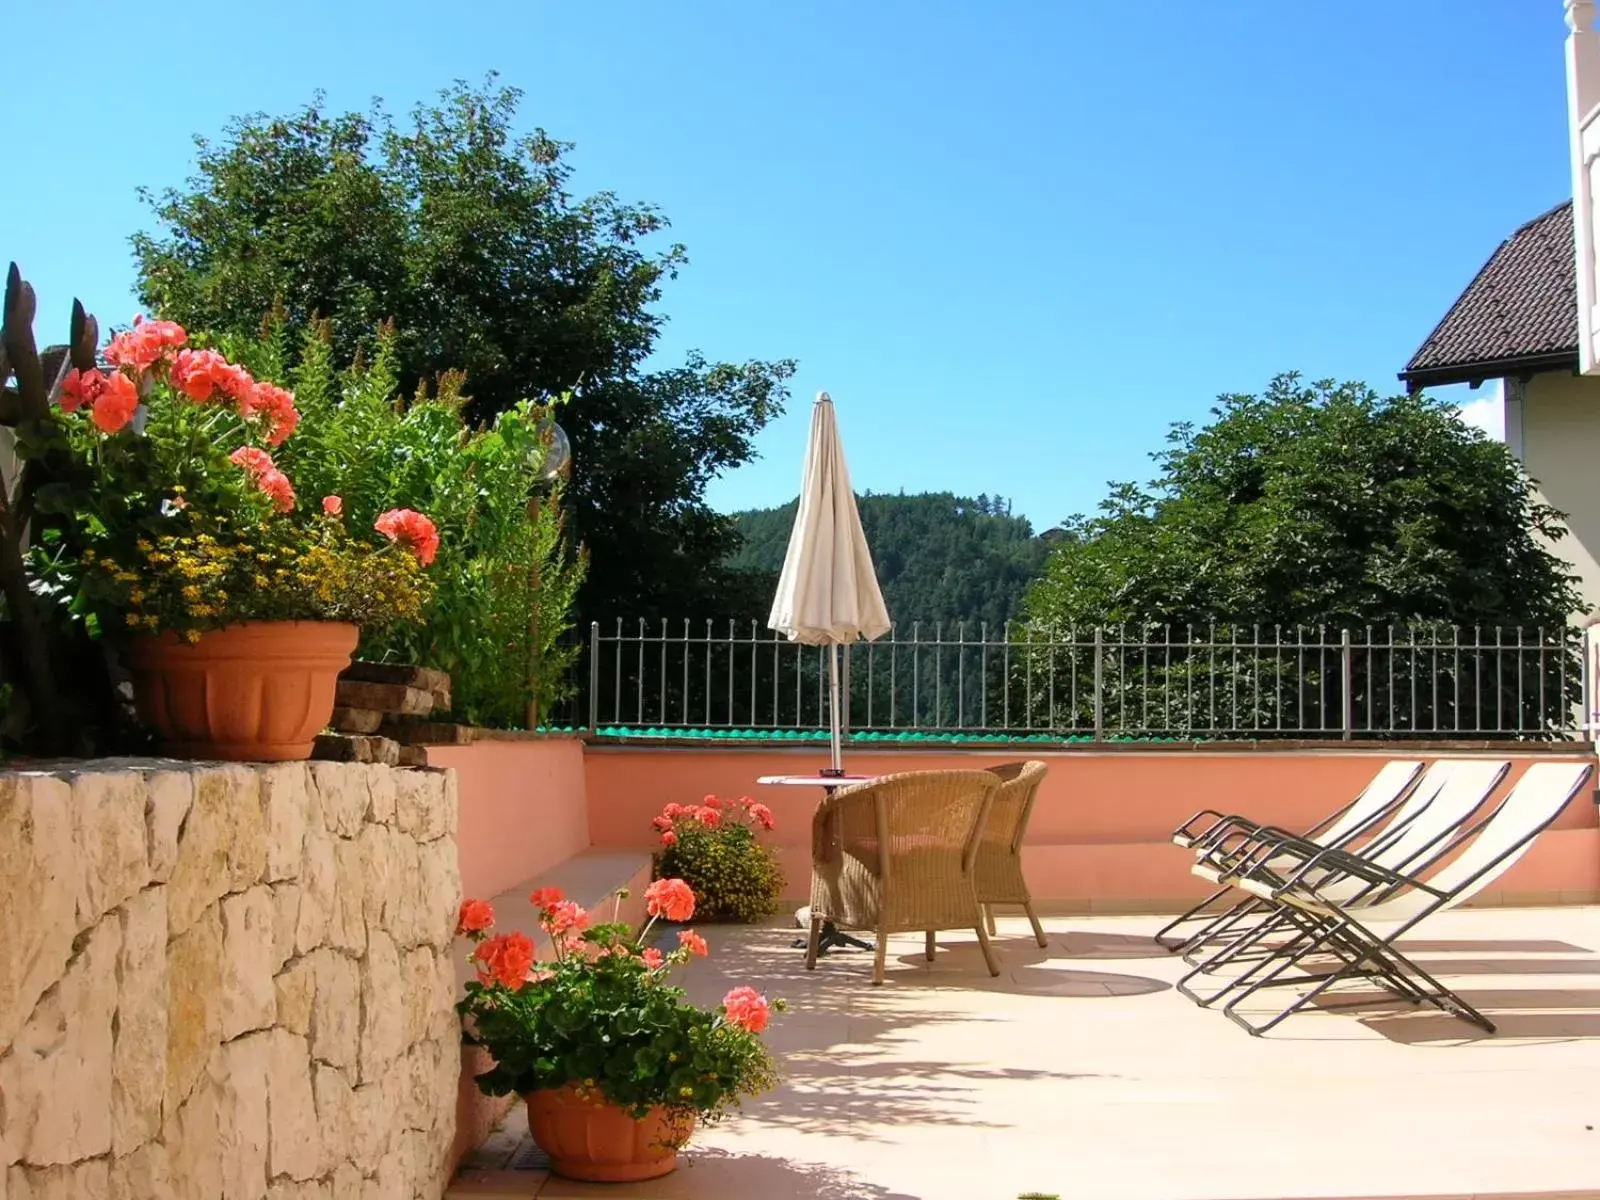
(202, 580)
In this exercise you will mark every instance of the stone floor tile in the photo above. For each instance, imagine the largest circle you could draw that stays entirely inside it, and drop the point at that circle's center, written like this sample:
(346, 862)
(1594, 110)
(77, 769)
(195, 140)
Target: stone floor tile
(496, 1185)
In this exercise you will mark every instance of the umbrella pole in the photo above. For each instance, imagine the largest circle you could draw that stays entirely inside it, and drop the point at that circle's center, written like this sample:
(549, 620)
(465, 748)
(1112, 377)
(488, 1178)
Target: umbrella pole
(835, 735)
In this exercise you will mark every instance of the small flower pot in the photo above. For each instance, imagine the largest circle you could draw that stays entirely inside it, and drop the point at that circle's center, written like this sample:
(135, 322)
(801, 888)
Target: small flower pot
(590, 1139)
(259, 691)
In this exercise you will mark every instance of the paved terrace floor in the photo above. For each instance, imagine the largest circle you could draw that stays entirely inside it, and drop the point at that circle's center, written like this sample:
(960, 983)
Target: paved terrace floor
(1081, 1073)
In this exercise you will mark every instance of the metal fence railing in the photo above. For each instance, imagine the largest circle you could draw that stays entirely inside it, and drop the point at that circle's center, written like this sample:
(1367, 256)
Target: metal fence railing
(1213, 683)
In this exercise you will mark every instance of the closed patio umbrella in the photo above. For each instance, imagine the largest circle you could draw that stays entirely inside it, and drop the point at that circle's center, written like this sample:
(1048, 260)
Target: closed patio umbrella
(828, 593)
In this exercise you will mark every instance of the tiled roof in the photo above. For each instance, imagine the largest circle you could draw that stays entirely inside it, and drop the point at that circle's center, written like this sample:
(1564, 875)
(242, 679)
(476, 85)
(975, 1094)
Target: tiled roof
(1520, 313)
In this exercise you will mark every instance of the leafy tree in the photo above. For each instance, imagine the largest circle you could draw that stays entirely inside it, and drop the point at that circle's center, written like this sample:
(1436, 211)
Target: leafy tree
(463, 234)
(939, 557)
(1320, 505)
(1317, 504)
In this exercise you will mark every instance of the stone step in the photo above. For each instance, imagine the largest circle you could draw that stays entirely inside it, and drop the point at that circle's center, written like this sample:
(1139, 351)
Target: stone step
(419, 678)
(390, 698)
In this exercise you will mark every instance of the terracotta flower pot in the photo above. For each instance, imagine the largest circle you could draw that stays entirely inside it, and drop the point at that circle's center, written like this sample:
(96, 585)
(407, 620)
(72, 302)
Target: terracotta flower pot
(259, 691)
(589, 1138)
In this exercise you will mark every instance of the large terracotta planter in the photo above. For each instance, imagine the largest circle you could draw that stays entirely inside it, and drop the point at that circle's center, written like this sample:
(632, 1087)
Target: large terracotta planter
(259, 691)
(589, 1138)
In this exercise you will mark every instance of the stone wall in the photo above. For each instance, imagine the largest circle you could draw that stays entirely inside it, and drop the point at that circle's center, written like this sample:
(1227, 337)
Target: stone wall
(226, 982)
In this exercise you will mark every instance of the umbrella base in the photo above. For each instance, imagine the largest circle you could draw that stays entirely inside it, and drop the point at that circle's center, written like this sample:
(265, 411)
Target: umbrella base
(831, 937)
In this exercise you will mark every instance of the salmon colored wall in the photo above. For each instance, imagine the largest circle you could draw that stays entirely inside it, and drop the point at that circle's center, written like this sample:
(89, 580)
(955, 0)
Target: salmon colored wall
(1099, 836)
(523, 808)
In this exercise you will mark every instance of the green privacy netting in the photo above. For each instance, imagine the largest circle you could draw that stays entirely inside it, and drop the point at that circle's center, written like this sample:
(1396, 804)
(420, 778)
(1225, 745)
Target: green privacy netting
(670, 733)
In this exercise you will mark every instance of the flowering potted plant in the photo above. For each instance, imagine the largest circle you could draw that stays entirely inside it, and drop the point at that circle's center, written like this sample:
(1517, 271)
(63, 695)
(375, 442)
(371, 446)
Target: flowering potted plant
(715, 847)
(615, 1065)
(172, 531)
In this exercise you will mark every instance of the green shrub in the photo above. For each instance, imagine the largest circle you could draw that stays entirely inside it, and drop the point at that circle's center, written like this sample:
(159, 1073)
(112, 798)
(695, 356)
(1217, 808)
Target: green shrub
(714, 848)
(504, 578)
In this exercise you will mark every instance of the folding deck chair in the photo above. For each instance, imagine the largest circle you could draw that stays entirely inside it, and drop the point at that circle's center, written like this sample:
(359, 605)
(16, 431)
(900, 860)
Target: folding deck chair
(1443, 803)
(1392, 784)
(1478, 854)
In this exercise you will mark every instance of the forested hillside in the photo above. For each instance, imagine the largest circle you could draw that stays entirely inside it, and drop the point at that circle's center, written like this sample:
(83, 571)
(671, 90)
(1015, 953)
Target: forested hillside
(940, 557)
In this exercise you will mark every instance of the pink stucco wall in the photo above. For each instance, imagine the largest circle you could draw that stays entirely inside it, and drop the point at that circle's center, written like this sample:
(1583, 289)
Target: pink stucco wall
(1099, 837)
(523, 808)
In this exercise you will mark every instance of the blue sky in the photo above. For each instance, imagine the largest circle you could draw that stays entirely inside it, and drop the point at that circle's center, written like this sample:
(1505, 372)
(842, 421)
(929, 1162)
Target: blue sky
(1014, 241)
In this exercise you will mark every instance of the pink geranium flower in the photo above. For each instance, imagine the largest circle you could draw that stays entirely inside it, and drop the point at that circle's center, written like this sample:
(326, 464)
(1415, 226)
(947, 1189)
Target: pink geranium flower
(273, 483)
(505, 960)
(669, 898)
(566, 917)
(747, 1008)
(411, 530)
(546, 898)
(693, 942)
(115, 405)
(475, 917)
(141, 347)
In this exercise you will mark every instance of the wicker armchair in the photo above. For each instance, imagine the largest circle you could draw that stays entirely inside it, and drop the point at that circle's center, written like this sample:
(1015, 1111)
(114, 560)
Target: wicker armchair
(998, 870)
(896, 855)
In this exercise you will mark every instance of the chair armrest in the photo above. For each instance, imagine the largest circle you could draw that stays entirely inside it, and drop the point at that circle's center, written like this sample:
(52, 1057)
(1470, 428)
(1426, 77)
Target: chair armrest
(1192, 835)
(1342, 862)
(838, 824)
(1250, 848)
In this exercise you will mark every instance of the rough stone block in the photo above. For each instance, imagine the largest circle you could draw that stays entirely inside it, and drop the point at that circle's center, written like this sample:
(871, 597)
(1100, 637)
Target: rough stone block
(296, 986)
(79, 1181)
(394, 698)
(109, 836)
(193, 1135)
(382, 1006)
(311, 1189)
(439, 900)
(249, 1000)
(39, 872)
(194, 1004)
(355, 748)
(372, 1123)
(342, 795)
(138, 1055)
(166, 805)
(407, 917)
(334, 1100)
(419, 997)
(380, 795)
(145, 1174)
(451, 811)
(239, 1071)
(223, 846)
(294, 1145)
(415, 732)
(336, 1009)
(425, 678)
(284, 797)
(317, 882)
(56, 1082)
(380, 870)
(285, 922)
(348, 928)
(420, 803)
(356, 720)
(412, 756)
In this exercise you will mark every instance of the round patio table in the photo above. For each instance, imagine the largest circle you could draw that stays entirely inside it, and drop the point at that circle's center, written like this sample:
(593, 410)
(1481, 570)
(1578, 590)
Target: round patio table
(831, 935)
